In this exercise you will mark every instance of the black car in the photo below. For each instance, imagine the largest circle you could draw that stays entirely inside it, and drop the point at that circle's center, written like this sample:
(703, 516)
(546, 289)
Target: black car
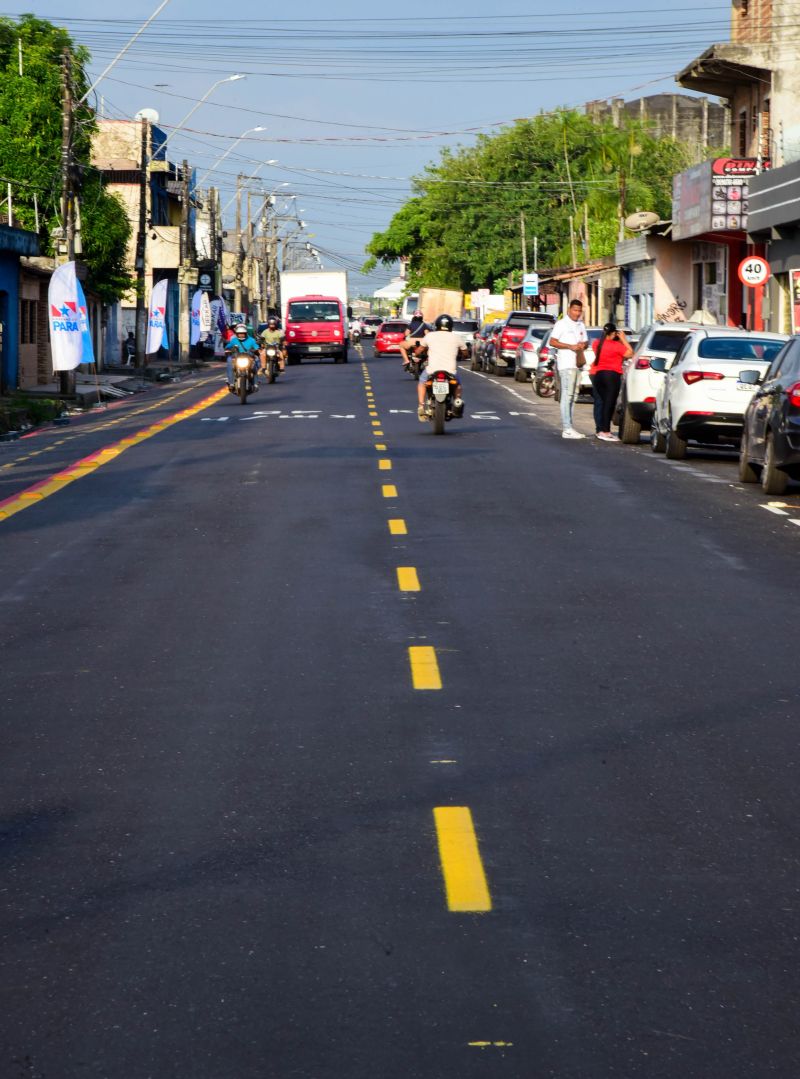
(770, 446)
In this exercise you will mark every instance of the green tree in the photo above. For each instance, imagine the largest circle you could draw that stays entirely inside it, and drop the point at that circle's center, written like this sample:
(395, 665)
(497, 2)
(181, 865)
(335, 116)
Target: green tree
(462, 226)
(30, 148)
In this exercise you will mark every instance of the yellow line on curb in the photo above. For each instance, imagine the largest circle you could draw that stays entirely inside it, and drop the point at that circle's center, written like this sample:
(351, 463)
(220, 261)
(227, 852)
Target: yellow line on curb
(85, 467)
(407, 579)
(462, 868)
(389, 490)
(385, 465)
(397, 527)
(424, 667)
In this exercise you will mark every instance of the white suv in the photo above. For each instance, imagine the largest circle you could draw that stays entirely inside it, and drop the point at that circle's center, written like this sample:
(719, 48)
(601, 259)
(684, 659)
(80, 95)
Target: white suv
(640, 382)
(701, 396)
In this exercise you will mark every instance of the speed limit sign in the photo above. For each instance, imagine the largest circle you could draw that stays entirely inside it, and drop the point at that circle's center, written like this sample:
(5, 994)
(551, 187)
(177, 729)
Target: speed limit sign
(754, 271)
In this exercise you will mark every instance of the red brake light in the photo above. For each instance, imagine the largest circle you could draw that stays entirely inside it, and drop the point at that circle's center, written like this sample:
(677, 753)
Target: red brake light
(642, 363)
(528, 347)
(793, 393)
(440, 376)
(544, 352)
(690, 377)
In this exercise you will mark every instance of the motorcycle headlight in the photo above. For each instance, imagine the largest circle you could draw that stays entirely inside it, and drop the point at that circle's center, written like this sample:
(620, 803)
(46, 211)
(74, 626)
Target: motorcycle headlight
(242, 363)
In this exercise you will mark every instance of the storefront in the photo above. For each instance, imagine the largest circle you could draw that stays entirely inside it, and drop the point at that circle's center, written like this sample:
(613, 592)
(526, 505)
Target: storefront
(656, 278)
(14, 243)
(710, 207)
(774, 223)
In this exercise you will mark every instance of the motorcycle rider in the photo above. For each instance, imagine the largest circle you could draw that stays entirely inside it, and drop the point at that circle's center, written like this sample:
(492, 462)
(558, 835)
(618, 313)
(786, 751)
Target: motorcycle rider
(417, 329)
(242, 343)
(272, 335)
(443, 349)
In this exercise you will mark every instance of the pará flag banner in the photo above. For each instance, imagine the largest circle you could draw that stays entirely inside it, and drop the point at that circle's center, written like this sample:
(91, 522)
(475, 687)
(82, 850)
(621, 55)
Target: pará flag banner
(205, 313)
(157, 323)
(83, 319)
(67, 341)
(194, 335)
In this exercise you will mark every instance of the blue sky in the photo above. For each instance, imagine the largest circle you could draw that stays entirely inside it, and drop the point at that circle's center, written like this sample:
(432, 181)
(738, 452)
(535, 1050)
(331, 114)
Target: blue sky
(350, 104)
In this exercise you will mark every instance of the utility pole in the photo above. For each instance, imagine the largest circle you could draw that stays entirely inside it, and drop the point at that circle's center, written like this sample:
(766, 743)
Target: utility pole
(184, 298)
(66, 378)
(237, 286)
(141, 248)
(524, 243)
(572, 242)
(586, 229)
(536, 254)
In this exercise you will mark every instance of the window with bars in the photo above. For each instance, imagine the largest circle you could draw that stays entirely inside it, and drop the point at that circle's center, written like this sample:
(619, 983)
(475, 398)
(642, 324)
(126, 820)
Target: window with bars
(28, 317)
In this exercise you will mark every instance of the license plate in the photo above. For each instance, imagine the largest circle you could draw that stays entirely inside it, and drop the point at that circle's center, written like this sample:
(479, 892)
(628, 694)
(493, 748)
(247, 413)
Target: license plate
(440, 391)
(745, 386)
(315, 348)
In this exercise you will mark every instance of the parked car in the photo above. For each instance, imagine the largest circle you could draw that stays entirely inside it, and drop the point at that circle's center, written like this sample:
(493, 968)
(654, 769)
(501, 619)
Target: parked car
(466, 329)
(702, 398)
(528, 350)
(370, 324)
(389, 336)
(640, 382)
(504, 346)
(770, 447)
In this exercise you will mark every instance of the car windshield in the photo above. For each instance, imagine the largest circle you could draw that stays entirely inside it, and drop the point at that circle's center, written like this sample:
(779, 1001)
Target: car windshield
(465, 327)
(667, 340)
(314, 311)
(739, 348)
(393, 327)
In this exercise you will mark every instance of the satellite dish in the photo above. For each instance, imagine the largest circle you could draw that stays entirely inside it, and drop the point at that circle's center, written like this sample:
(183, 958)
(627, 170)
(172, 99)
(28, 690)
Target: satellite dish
(641, 220)
(150, 115)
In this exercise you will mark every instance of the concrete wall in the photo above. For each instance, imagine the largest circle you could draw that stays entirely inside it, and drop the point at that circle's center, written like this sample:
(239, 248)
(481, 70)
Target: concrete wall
(698, 121)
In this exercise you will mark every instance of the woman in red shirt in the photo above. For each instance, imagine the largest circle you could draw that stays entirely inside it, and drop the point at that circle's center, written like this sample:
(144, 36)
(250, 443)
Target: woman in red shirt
(606, 374)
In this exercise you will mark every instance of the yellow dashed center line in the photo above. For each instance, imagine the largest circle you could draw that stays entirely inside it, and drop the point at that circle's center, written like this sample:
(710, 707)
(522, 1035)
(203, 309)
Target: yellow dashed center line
(407, 579)
(388, 490)
(397, 527)
(378, 434)
(424, 667)
(379, 446)
(385, 465)
(462, 868)
(376, 423)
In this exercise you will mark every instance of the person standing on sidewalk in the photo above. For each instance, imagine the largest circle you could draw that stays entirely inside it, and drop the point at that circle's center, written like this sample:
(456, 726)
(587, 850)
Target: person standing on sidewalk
(570, 339)
(606, 374)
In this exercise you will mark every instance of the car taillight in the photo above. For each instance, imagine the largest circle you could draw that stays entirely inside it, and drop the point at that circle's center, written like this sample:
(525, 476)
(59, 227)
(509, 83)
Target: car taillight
(544, 352)
(690, 377)
(528, 347)
(642, 363)
(793, 395)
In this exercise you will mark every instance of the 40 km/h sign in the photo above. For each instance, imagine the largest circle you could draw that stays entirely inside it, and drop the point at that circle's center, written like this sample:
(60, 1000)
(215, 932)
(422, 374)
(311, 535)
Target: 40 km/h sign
(754, 271)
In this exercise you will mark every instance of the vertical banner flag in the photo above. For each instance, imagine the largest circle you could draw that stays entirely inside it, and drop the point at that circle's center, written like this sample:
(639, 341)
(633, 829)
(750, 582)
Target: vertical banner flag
(194, 332)
(83, 319)
(205, 314)
(66, 334)
(157, 323)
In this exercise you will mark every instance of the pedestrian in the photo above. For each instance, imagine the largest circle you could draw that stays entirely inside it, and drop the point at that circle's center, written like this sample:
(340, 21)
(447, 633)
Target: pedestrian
(570, 339)
(610, 353)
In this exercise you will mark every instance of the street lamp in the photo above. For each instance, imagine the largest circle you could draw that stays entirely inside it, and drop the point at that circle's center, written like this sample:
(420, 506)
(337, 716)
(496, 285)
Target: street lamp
(230, 149)
(249, 178)
(197, 104)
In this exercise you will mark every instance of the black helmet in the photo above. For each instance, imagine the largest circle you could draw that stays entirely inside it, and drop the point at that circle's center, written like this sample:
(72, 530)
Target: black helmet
(444, 322)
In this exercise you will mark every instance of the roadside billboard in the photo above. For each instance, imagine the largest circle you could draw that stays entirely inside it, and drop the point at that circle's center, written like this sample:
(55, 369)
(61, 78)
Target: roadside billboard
(713, 196)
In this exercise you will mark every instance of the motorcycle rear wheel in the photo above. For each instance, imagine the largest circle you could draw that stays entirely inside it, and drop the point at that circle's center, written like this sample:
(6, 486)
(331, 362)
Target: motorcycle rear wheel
(439, 416)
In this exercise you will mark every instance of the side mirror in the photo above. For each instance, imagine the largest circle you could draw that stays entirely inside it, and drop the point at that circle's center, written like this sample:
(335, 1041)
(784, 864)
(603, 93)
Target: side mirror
(750, 378)
(658, 363)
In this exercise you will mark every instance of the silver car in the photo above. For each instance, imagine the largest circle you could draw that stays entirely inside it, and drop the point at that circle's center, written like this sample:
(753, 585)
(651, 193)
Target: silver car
(465, 330)
(528, 350)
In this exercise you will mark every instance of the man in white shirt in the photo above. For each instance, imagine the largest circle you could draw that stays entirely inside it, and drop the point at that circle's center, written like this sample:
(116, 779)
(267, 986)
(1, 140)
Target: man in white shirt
(570, 339)
(443, 349)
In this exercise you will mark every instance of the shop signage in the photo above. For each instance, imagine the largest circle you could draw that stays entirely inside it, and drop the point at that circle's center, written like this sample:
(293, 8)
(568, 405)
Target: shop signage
(713, 196)
(795, 279)
(753, 271)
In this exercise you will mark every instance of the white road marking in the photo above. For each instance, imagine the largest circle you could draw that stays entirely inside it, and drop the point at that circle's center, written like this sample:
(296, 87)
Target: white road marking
(306, 411)
(775, 510)
(794, 520)
(336, 416)
(214, 419)
(522, 414)
(402, 412)
(483, 416)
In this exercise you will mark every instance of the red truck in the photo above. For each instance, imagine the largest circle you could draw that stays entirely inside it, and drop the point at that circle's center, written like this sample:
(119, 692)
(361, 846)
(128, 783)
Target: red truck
(315, 323)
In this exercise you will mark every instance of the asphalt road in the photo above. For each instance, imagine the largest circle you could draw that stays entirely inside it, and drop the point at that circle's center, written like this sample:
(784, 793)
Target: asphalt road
(238, 841)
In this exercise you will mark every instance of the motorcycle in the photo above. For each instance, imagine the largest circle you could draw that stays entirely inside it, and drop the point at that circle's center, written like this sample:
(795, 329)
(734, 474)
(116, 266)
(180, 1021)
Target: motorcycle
(441, 402)
(355, 337)
(414, 364)
(272, 365)
(544, 379)
(244, 375)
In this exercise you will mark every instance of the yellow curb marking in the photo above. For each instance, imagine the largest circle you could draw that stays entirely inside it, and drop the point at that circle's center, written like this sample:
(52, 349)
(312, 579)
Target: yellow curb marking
(462, 868)
(424, 667)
